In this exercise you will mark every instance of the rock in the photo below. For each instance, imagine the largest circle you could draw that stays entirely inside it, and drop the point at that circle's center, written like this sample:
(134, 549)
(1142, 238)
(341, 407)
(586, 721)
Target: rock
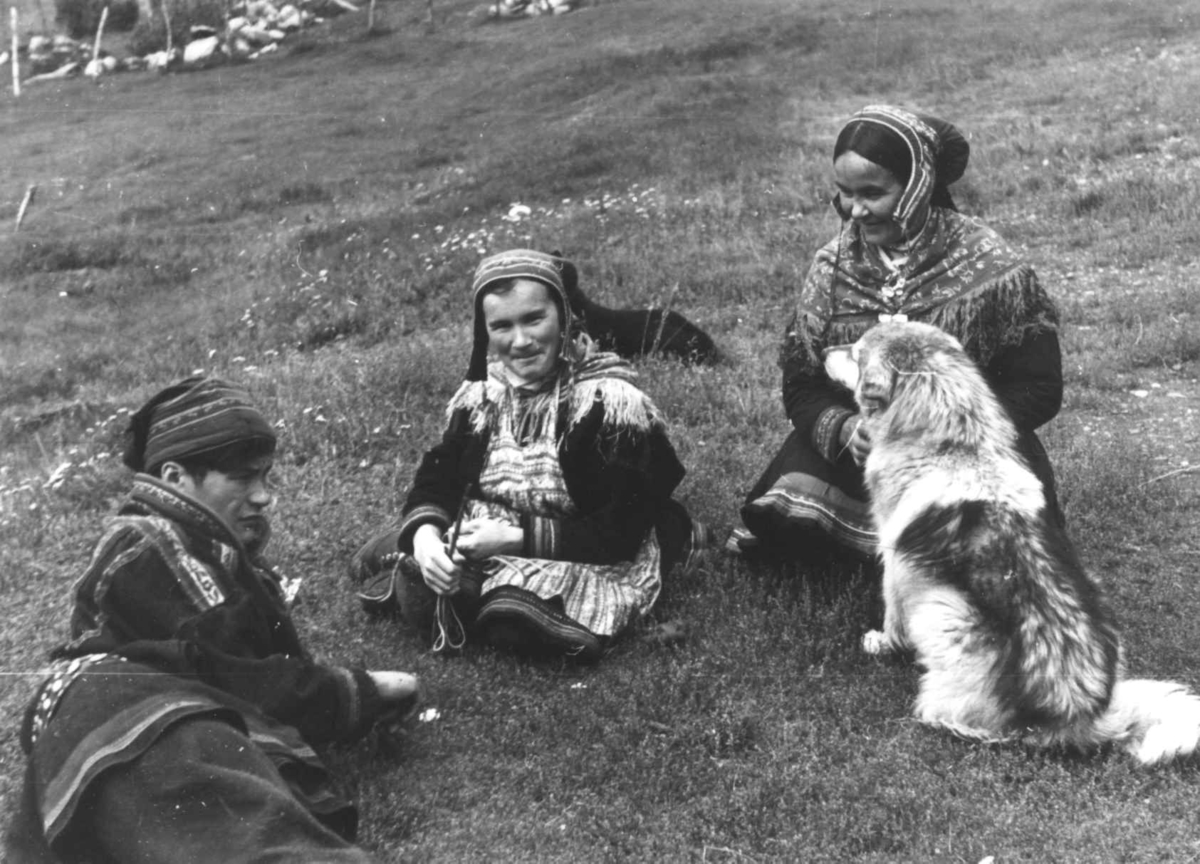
(37, 45)
(94, 69)
(508, 8)
(255, 35)
(261, 10)
(269, 49)
(201, 51)
(238, 23)
(201, 31)
(160, 60)
(289, 18)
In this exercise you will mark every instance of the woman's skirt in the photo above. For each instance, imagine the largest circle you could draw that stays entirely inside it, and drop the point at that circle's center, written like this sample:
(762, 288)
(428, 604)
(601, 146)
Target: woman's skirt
(604, 598)
(803, 504)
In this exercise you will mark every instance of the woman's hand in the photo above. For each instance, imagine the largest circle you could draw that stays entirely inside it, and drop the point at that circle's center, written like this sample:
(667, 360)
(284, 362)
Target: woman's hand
(483, 538)
(441, 572)
(855, 438)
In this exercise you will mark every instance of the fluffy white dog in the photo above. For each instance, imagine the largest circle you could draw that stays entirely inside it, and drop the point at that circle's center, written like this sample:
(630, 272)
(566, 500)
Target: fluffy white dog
(1016, 639)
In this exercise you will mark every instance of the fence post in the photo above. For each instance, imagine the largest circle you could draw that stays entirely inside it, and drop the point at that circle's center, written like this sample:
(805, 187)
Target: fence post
(96, 47)
(16, 63)
(25, 202)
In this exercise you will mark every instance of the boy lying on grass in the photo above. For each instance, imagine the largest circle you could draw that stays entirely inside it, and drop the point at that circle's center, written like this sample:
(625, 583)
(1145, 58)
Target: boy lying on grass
(177, 723)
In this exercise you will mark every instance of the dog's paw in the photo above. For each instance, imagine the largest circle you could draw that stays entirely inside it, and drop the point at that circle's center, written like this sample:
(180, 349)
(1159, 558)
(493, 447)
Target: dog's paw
(875, 642)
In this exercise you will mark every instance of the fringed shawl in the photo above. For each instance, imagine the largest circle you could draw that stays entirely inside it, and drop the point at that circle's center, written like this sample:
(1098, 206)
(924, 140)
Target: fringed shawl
(959, 276)
(572, 393)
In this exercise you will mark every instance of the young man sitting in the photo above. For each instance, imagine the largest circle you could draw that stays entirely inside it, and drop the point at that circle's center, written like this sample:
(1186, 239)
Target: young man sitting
(178, 721)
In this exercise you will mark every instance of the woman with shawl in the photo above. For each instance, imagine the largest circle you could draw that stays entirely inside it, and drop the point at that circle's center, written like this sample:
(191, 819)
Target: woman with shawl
(543, 520)
(904, 252)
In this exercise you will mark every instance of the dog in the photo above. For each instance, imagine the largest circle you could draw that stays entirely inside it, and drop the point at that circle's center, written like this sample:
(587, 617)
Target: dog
(1016, 640)
(634, 333)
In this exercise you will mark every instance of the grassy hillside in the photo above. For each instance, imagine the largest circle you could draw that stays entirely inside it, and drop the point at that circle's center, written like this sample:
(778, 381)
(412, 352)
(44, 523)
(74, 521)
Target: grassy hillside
(308, 224)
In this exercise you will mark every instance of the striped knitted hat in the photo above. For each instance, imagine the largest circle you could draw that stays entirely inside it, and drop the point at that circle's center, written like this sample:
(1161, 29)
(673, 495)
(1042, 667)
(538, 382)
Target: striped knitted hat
(197, 415)
(936, 151)
(503, 266)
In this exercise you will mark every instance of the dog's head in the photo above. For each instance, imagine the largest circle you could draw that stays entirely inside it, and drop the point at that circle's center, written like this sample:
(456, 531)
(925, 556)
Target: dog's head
(890, 358)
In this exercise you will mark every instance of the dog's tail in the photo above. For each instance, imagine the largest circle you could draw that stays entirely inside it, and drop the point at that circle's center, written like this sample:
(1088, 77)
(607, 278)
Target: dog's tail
(1154, 721)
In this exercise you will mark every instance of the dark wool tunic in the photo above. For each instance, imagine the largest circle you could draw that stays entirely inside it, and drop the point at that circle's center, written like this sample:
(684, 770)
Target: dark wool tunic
(959, 276)
(620, 476)
(174, 622)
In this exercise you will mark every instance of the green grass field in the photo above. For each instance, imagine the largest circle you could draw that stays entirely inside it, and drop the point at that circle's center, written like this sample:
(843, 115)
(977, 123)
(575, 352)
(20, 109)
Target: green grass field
(308, 224)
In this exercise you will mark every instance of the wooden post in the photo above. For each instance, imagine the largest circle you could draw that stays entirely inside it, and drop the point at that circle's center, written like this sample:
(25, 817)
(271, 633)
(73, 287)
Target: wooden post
(16, 63)
(99, 35)
(167, 21)
(429, 10)
(25, 202)
(371, 17)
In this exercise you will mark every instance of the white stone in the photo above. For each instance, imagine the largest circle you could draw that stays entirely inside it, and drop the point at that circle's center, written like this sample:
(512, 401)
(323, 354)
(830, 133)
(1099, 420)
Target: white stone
(289, 18)
(267, 49)
(201, 50)
(157, 60)
(255, 35)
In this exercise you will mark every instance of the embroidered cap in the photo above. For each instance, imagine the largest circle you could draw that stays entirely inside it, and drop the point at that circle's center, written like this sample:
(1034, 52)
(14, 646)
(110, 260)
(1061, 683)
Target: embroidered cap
(503, 266)
(936, 152)
(194, 416)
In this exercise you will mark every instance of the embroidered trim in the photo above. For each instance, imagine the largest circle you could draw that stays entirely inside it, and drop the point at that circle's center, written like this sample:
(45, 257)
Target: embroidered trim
(827, 430)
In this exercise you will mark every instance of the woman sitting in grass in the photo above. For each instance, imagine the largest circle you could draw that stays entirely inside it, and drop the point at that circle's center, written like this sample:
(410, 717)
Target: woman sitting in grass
(904, 252)
(544, 518)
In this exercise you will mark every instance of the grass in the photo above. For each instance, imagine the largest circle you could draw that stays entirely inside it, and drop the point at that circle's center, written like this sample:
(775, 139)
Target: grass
(307, 225)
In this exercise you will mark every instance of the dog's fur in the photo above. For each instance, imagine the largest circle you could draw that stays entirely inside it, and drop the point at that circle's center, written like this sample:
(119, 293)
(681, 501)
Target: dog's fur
(1016, 640)
(637, 332)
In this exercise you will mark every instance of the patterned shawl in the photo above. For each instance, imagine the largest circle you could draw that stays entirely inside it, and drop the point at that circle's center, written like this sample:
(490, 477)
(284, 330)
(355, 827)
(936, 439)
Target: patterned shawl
(572, 393)
(959, 275)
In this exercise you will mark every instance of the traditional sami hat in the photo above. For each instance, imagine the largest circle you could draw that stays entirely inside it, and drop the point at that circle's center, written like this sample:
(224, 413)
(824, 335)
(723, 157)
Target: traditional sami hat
(936, 150)
(192, 417)
(503, 266)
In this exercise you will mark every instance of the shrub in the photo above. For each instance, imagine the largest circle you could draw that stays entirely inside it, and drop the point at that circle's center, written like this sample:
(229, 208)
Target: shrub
(80, 18)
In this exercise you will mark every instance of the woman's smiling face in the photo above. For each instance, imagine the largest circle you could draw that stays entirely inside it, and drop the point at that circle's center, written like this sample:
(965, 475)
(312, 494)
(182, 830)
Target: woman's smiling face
(524, 330)
(869, 193)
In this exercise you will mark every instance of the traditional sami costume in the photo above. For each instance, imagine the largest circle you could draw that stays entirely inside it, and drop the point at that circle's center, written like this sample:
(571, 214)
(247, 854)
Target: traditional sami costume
(580, 461)
(956, 274)
(178, 722)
